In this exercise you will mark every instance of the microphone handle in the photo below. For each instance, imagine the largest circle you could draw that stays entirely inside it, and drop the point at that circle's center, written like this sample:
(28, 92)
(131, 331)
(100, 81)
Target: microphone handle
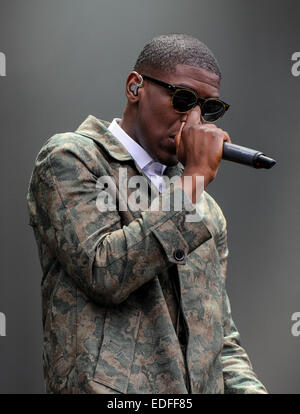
(246, 156)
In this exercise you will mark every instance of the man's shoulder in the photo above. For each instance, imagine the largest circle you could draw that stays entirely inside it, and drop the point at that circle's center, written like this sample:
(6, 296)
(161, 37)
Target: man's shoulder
(66, 145)
(92, 140)
(84, 135)
(80, 142)
(65, 139)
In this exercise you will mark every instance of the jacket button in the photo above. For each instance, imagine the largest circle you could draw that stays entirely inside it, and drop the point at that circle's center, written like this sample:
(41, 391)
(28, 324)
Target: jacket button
(179, 255)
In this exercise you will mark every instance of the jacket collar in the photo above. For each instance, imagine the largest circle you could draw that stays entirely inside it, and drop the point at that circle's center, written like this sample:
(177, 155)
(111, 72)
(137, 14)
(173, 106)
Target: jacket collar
(97, 130)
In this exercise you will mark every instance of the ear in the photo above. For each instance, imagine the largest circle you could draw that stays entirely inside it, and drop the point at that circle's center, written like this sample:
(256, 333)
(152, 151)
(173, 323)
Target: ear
(133, 83)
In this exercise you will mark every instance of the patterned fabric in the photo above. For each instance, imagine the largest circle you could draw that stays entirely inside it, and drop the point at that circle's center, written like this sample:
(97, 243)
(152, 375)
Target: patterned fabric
(133, 301)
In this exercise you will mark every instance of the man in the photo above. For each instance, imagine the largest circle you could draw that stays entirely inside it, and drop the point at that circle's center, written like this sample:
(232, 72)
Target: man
(134, 301)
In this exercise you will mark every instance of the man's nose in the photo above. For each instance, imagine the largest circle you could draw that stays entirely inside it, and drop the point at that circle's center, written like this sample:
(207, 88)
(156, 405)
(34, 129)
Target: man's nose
(196, 109)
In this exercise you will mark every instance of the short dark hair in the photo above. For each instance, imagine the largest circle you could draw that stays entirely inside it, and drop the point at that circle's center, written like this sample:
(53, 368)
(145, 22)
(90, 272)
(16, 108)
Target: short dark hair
(166, 51)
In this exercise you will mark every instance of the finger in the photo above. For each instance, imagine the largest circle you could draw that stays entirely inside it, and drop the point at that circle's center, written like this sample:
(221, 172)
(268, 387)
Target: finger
(227, 137)
(178, 136)
(193, 117)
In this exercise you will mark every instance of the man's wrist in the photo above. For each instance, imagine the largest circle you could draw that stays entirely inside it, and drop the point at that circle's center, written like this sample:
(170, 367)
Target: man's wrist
(193, 184)
(201, 172)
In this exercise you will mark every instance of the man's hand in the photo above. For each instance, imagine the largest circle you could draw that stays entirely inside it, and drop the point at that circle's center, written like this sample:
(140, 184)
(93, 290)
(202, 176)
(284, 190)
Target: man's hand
(199, 148)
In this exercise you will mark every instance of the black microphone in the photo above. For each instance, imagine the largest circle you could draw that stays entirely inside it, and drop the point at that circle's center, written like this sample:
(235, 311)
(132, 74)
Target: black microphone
(247, 156)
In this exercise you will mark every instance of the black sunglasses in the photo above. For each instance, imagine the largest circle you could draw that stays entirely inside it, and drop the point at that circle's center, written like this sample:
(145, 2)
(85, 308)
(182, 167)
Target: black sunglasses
(184, 99)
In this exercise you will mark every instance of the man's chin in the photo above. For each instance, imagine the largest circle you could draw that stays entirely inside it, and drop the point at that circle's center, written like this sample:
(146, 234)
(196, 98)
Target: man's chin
(170, 161)
(167, 158)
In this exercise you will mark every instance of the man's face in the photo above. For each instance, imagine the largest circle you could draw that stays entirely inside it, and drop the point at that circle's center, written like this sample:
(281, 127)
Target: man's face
(157, 122)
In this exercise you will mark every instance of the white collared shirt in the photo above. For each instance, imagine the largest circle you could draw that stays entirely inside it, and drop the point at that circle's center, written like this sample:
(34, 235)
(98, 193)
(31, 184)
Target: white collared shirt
(153, 169)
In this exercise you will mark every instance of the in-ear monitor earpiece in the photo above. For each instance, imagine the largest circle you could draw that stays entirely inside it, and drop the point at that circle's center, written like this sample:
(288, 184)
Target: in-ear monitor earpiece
(135, 86)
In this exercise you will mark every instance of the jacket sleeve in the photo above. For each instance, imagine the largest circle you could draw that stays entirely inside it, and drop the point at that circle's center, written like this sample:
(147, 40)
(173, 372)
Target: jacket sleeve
(106, 260)
(238, 374)
(239, 377)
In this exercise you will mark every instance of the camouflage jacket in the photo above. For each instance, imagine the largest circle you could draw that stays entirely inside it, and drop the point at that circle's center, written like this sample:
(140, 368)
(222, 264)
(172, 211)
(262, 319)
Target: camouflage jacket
(123, 290)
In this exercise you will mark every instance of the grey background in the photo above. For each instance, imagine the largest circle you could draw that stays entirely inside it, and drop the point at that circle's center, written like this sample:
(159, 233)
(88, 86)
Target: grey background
(67, 59)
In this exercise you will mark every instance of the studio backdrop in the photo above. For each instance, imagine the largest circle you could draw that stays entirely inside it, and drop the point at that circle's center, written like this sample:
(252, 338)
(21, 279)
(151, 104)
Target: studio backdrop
(62, 60)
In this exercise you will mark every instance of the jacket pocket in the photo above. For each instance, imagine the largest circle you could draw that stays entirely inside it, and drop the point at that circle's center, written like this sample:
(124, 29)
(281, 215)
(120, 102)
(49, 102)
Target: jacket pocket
(117, 350)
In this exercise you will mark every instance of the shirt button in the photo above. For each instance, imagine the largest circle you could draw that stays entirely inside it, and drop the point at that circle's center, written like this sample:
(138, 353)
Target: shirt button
(179, 255)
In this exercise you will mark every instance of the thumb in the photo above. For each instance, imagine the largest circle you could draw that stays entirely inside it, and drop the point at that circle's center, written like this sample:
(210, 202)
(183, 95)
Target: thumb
(191, 118)
(178, 137)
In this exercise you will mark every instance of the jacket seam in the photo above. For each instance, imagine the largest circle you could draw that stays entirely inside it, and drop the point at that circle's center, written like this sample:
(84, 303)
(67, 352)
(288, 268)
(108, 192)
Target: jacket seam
(76, 340)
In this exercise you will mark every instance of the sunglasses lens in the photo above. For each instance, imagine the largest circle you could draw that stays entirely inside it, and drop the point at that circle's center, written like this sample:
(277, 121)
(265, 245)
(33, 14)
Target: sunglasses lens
(184, 100)
(212, 110)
